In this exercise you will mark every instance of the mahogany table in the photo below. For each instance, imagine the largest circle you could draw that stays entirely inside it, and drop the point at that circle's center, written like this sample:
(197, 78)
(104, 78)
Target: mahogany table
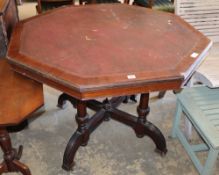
(107, 50)
(20, 97)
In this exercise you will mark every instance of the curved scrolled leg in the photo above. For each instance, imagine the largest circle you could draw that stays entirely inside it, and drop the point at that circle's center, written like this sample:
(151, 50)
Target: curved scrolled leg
(143, 127)
(156, 135)
(79, 138)
(150, 130)
(63, 98)
(72, 147)
(62, 101)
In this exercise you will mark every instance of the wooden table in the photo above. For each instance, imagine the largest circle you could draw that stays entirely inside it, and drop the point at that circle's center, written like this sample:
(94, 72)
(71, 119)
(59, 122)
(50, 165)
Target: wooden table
(109, 50)
(20, 97)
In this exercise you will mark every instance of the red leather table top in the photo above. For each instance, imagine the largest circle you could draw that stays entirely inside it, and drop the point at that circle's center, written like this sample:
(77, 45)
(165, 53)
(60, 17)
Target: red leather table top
(97, 47)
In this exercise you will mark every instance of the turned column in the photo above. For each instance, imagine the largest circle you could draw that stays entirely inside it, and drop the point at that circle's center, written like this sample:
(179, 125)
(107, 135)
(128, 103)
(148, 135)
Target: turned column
(82, 120)
(9, 153)
(11, 156)
(142, 110)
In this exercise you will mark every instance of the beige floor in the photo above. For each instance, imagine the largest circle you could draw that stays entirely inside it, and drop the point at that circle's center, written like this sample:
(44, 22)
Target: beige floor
(113, 148)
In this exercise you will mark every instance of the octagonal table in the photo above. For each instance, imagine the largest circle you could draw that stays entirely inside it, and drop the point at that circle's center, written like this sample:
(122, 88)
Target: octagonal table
(109, 50)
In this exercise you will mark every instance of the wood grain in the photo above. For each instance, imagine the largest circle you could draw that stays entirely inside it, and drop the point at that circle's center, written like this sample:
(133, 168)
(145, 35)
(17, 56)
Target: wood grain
(19, 95)
(114, 49)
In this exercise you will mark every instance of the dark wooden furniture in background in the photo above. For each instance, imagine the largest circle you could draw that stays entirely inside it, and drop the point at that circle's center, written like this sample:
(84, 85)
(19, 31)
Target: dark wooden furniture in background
(115, 50)
(8, 19)
(20, 96)
(44, 5)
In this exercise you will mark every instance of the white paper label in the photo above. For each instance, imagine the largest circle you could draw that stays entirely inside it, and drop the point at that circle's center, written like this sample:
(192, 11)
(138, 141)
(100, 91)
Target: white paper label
(194, 55)
(132, 76)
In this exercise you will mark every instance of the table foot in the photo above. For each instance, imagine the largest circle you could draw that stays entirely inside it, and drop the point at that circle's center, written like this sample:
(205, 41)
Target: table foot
(70, 151)
(156, 135)
(11, 161)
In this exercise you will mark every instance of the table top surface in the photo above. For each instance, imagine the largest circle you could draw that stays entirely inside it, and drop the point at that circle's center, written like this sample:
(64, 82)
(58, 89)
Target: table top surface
(97, 47)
